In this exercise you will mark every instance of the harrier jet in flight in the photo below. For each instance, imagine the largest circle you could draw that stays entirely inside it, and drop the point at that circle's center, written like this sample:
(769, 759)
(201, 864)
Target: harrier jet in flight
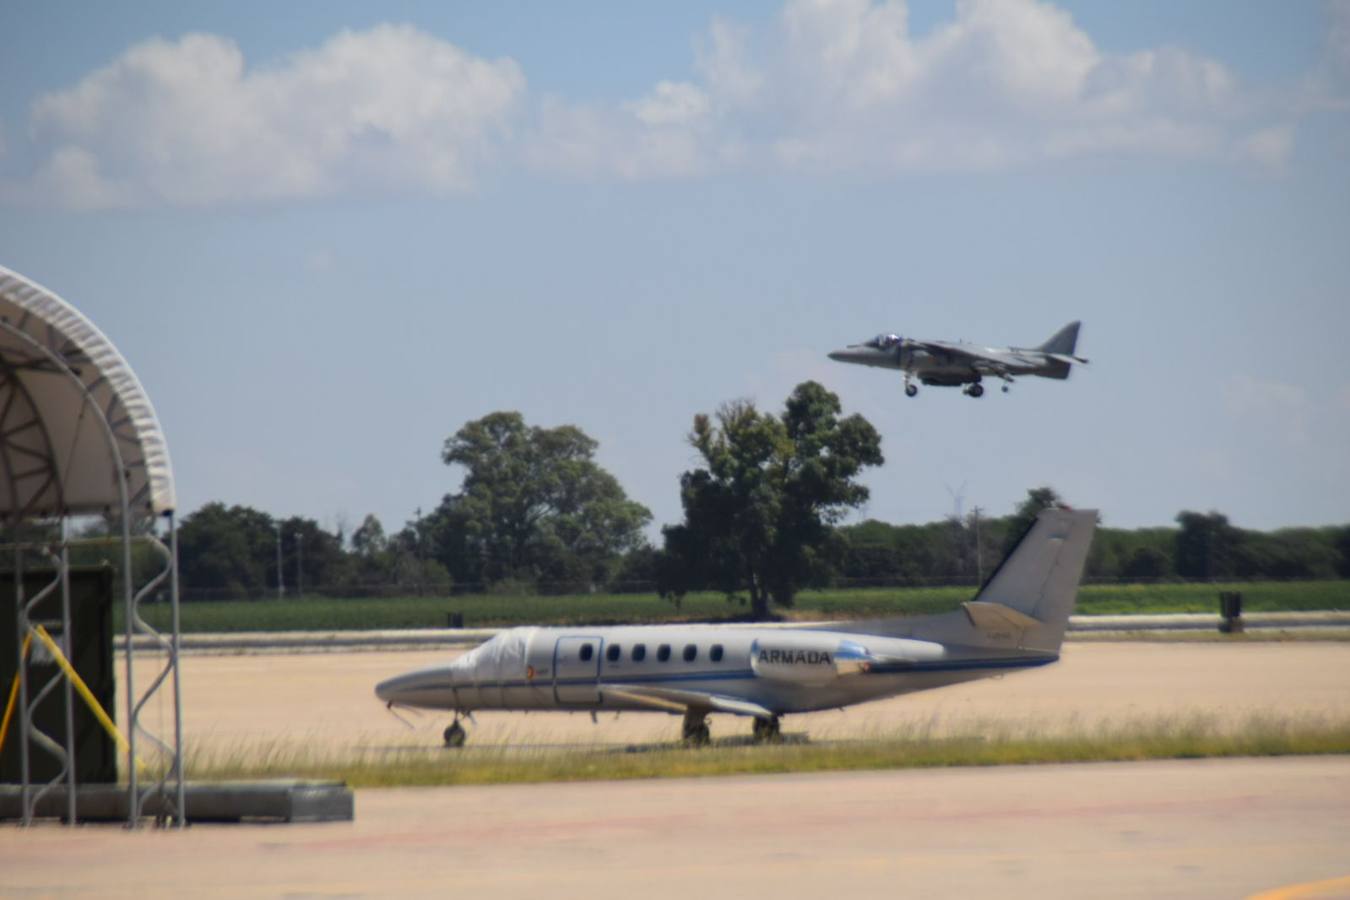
(951, 364)
(1015, 622)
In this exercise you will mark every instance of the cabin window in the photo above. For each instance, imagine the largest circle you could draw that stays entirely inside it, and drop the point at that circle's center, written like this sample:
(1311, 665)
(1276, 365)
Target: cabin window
(639, 652)
(663, 653)
(690, 653)
(612, 652)
(716, 653)
(587, 651)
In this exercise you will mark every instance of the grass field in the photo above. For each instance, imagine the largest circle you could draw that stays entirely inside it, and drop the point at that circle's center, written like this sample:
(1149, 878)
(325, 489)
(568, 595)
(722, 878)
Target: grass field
(1162, 738)
(324, 614)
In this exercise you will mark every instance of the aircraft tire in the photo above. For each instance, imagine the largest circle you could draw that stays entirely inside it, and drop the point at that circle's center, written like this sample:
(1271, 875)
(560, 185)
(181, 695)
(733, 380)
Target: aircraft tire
(455, 735)
(766, 731)
(695, 731)
(911, 390)
(975, 390)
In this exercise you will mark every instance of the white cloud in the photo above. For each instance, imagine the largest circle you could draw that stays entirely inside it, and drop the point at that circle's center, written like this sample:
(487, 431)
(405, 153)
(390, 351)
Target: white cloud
(1270, 146)
(829, 85)
(651, 138)
(843, 84)
(671, 103)
(320, 261)
(1269, 407)
(187, 122)
(1342, 404)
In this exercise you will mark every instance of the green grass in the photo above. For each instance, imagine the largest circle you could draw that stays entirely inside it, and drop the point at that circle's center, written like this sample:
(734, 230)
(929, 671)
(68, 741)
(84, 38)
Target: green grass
(323, 614)
(1184, 738)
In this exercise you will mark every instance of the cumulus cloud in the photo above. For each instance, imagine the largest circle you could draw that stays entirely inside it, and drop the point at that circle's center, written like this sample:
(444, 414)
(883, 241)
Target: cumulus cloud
(844, 84)
(828, 85)
(187, 122)
(1270, 407)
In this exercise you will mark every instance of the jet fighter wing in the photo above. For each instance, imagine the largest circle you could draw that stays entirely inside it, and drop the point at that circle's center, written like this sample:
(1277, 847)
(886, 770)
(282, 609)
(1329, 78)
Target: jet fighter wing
(985, 363)
(676, 700)
(1065, 358)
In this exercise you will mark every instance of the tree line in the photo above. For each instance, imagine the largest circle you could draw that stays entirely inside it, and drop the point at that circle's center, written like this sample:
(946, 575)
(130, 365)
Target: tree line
(762, 519)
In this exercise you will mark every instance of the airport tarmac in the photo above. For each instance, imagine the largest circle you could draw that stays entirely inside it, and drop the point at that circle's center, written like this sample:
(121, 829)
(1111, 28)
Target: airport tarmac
(325, 701)
(1195, 829)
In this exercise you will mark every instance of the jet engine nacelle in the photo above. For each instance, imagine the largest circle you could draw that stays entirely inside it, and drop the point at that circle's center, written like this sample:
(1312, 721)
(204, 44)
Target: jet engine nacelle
(807, 659)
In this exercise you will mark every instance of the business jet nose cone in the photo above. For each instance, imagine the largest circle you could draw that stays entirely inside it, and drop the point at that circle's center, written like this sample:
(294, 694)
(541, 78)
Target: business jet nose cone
(407, 687)
(391, 689)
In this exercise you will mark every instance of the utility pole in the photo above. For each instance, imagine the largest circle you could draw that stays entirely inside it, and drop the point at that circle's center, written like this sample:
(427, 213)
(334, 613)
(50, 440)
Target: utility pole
(417, 529)
(281, 578)
(979, 549)
(299, 566)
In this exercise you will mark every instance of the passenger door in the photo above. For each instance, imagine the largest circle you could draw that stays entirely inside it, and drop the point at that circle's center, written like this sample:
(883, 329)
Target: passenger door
(576, 669)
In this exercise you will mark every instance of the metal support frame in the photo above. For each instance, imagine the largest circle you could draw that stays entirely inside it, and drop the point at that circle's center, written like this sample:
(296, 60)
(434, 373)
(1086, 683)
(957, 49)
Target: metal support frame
(19, 415)
(29, 734)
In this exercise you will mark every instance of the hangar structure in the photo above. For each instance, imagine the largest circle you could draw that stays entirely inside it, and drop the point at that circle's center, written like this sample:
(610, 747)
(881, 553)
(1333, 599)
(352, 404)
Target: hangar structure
(79, 438)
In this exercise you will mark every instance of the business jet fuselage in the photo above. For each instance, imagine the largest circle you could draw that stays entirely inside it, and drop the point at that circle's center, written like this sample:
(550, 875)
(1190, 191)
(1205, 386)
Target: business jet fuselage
(1016, 622)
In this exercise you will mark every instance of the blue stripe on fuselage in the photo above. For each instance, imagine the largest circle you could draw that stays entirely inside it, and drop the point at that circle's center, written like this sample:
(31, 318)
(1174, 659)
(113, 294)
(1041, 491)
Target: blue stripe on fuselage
(946, 665)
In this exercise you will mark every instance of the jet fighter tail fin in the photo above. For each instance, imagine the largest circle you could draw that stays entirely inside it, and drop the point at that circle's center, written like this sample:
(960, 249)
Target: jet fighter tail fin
(1064, 342)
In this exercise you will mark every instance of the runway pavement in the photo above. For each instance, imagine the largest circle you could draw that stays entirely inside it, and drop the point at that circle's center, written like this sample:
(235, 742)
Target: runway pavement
(1195, 829)
(326, 701)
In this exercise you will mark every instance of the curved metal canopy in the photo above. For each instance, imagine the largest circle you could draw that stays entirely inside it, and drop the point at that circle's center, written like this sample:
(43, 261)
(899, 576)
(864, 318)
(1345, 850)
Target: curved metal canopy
(59, 376)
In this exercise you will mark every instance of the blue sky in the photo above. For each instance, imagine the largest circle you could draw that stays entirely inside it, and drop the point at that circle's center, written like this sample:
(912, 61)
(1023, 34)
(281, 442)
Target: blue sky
(326, 235)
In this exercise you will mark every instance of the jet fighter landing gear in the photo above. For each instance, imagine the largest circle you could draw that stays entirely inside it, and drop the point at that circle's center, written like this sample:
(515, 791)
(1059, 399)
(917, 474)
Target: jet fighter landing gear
(767, 731)
(695, 731)
(975, 390)
(454, 734)
(910, 388)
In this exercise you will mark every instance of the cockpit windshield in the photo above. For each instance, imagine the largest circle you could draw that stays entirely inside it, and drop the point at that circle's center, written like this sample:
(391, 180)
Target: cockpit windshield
(884, 341)
(503, 653)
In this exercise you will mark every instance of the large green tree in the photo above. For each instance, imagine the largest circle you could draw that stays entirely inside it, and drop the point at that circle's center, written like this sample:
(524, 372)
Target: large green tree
(1205, 545)
(1024, 516)
(758, 514)
(534, 506)
(231, 549)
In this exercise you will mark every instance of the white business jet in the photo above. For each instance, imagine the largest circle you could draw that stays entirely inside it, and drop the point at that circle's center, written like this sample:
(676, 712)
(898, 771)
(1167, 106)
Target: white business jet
(1015, 622)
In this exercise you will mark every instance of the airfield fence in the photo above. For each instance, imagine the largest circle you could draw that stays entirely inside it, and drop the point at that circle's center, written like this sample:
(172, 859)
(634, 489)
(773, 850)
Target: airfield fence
(383, 590)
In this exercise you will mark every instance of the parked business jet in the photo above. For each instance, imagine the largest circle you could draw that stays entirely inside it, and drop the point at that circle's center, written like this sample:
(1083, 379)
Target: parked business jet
(1015, 622)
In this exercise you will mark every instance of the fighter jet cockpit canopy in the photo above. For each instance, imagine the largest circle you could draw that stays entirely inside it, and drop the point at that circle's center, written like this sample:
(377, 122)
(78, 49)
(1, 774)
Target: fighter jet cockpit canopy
(884, 341)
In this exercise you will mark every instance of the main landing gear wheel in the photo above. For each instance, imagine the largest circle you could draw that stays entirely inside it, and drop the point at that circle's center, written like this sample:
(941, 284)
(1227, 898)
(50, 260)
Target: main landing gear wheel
(455, 735)
(975, 390)
(695, 731)
(766, 731)
(911, 390)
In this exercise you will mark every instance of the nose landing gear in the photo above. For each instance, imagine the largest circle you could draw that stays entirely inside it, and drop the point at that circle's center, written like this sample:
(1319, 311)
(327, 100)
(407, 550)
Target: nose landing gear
(454, 734)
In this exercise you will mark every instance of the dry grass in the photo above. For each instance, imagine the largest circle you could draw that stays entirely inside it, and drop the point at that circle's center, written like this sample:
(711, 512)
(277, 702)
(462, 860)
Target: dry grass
(972, 744)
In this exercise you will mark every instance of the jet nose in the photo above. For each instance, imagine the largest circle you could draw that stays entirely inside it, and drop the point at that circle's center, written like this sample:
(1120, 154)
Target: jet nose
(411, 688)
(391, 690)
(856, 354)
